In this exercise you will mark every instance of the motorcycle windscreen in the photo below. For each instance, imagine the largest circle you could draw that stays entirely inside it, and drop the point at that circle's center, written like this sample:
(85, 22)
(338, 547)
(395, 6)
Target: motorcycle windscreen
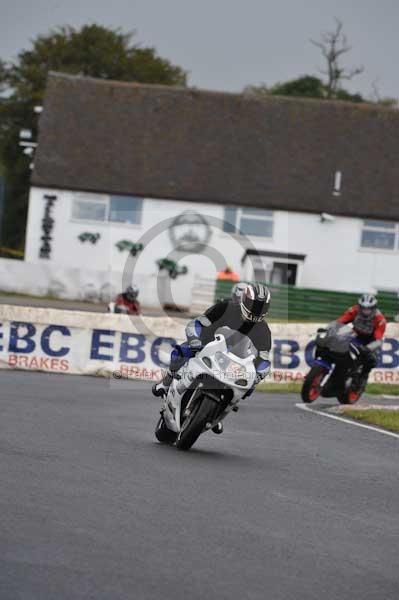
(238, 343)
(339, 339)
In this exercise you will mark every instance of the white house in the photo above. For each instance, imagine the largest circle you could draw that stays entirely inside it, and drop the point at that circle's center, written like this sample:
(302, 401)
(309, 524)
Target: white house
(297, 192)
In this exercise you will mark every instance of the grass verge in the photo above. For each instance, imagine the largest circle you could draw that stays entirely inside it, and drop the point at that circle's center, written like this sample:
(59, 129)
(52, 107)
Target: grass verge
(295, 388)
(385, 418)
(283, 388)
(383, 388)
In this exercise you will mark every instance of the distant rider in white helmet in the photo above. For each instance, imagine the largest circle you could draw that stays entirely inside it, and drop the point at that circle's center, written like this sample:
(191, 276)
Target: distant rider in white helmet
(369, 325)
(237, 291)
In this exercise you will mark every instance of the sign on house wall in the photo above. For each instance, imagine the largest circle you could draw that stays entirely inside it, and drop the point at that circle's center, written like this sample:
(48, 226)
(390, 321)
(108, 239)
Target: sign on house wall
(190, 232)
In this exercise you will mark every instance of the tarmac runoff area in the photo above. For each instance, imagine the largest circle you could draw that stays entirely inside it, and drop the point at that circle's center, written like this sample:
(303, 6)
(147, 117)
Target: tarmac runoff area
(285, 504)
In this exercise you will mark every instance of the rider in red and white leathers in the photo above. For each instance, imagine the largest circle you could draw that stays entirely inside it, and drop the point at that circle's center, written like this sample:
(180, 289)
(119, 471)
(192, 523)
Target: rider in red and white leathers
(369, 325)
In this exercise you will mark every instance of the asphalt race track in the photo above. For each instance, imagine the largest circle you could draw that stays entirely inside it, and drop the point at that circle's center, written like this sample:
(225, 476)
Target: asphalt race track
(284, 505)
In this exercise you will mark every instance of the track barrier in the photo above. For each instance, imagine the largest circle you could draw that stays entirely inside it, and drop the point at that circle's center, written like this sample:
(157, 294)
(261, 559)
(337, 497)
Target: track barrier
(119, 346)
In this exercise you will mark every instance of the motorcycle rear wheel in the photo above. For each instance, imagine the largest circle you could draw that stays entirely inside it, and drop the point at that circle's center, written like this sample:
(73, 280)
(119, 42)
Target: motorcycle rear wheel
(311, 389)
(194, 424)
(349, 396)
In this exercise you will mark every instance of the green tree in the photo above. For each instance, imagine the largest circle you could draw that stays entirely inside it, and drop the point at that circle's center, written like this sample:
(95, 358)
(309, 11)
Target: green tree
(342, 94)
(94, 51)
(3, 71)
(306, 86)
(388, 102)
(333, 45)
(384, 101)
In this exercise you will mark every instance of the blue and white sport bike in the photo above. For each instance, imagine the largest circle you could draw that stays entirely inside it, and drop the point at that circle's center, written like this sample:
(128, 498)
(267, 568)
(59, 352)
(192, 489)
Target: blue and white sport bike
(207, 388)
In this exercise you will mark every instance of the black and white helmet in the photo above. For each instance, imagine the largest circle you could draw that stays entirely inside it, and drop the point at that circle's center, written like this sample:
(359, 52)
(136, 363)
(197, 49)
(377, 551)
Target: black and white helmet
(132, 292)
(255, 302)
(367, 304)
(237, 291)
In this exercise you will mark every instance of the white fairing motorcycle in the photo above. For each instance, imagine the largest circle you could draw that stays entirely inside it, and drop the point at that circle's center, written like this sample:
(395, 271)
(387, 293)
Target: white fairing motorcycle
(207, 388)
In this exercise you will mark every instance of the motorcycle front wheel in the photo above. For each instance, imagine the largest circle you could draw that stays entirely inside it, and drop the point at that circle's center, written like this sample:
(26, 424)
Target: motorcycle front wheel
(311, 388)
(194, 424)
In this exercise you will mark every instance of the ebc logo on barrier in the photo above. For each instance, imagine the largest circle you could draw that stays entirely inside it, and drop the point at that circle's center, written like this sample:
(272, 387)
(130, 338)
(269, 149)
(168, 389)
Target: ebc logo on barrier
(24, 340)
(130, 349)
(287, 354)
(389, 355)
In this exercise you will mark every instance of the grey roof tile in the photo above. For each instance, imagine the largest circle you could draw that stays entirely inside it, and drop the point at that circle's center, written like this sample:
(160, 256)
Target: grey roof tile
(186, 144)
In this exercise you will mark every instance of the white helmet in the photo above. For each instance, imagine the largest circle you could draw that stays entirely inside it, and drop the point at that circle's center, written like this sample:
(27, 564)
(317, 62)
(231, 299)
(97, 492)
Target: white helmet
(367, 304)
(132, 292)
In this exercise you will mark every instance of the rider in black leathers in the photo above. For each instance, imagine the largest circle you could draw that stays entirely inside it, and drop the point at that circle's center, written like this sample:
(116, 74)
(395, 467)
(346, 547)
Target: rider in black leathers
(247, 317)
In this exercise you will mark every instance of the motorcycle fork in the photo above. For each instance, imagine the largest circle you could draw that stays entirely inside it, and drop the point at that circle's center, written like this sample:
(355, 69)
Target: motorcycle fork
(190, 403)
(324, 382)
(327, 376)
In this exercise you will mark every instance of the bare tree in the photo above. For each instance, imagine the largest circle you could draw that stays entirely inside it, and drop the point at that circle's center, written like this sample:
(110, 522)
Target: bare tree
(333, 45)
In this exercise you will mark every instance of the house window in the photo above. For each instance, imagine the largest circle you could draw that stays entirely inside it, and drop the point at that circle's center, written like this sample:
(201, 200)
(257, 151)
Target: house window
(85, 209)
(381, 235)
(248, 221)
(114, 209)
(125, 209)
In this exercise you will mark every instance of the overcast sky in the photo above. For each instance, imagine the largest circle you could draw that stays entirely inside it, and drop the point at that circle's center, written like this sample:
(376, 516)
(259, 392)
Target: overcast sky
(227, 44)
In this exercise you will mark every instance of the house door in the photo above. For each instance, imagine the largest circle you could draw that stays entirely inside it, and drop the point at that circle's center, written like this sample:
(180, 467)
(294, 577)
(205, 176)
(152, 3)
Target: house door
(284, 273)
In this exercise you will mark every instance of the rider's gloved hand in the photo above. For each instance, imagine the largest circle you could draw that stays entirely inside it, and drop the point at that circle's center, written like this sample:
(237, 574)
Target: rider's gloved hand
(263, 366)
(259, 377)
(365, 351)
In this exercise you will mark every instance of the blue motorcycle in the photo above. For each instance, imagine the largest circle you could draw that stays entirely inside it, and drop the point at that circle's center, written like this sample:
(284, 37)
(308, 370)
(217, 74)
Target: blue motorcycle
(337, 368)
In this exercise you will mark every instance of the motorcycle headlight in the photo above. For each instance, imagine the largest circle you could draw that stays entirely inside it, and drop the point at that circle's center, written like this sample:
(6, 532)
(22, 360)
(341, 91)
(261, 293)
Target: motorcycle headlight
(232, 369)
(222, 360)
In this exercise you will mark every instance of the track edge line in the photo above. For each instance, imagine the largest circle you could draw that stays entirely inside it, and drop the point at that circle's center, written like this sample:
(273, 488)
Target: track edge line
(344, 420)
